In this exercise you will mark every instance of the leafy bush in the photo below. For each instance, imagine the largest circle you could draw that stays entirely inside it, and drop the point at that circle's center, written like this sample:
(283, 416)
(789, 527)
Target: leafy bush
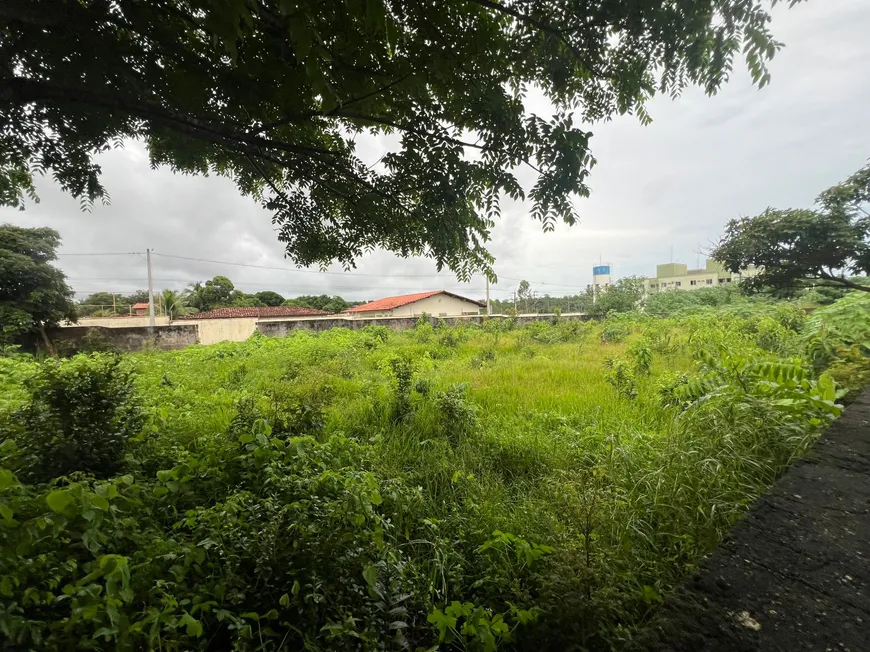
(621, 378)
(403, 377)
(458, 415)
(79, 416)
(669, 389)
(483, 357)
(837, 338)
(787, 384)
(614, 331)
(772, 336)
(641, 353)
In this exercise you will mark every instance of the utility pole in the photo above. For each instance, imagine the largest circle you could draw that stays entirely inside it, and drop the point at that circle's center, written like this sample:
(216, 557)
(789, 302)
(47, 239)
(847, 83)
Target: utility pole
(150, 292)
(114, 309)
(515, 302)
(488, 304)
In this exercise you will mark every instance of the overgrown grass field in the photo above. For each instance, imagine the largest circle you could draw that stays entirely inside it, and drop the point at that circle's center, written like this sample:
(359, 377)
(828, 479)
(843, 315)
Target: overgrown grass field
(473, 488)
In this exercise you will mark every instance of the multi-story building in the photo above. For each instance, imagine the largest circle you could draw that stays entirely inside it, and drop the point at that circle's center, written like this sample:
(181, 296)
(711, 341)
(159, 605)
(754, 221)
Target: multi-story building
(677, 276)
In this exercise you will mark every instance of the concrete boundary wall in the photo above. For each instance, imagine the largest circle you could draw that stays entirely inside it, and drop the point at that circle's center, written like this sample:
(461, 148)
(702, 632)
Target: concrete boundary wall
(70, 339)
(180, 334)
(118, 322)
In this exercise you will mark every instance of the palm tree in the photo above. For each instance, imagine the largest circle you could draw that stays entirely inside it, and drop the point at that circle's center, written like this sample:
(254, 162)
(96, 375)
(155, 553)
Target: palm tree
(175, 304)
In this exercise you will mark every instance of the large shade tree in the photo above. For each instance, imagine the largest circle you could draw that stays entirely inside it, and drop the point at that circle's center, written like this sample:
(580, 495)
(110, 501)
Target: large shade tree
(826, 246)
(215, 293)
(33, 293)
(274, 93)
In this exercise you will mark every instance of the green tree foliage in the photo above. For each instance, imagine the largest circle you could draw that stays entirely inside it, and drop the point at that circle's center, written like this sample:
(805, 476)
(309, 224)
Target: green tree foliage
(333, 304)
(523, 295)
(548, 304)
(270, 298)
(665, 304)
(139, 296)
(101, 302)
(79, 416)
(33, 294)
(273, 95)
(175, 304)
(239, 299)
(622, 296)
(799, 247)
(212, 294)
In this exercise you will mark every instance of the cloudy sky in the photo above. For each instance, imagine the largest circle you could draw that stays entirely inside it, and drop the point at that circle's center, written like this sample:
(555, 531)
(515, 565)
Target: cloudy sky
(668, 187)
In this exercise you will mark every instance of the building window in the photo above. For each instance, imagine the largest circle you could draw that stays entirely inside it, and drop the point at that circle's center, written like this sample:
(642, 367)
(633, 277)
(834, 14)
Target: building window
(728, 280)
(693, 282)
(678, 283)
(721, 280)
(709, 281)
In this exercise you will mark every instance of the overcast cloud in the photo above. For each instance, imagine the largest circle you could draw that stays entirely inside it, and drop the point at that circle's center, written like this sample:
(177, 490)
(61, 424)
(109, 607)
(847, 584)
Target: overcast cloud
(667, 187)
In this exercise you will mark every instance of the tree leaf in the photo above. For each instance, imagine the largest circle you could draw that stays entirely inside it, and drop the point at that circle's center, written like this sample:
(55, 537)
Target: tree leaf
(58, 500)
(370, 574)
(7, 479)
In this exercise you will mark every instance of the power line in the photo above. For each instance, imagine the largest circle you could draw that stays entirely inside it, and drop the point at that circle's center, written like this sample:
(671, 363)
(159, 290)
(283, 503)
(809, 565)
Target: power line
(119, 253)
(561, 285)
(251, 265)
(299, 271)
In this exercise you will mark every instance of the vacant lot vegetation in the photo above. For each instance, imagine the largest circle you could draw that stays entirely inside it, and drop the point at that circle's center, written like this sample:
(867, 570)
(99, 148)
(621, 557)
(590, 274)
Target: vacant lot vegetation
(468, 488)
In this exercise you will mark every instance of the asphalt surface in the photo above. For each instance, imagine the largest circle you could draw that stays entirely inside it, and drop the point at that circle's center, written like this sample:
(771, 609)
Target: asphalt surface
(795, 572)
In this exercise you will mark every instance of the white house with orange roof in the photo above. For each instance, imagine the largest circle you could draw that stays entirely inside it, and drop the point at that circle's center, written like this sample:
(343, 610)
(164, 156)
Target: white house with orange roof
(437, 303)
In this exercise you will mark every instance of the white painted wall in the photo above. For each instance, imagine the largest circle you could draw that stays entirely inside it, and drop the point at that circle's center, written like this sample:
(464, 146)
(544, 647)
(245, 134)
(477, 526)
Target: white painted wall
(439, 305)
(212, 331)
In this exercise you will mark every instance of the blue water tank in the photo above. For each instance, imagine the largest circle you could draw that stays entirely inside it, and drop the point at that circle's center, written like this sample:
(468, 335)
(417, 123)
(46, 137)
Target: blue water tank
(601, 270)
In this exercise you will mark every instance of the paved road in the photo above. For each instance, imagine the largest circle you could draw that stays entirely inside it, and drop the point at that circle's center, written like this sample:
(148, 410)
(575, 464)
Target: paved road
(795, 572)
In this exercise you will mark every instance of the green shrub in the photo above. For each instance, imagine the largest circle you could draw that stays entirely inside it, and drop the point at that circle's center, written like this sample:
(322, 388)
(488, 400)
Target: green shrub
(620, 376)
(483, 357)
(403, 377)
(79, 416)
(641, 354)
(457, 414)
(614, 331)
(668, 389)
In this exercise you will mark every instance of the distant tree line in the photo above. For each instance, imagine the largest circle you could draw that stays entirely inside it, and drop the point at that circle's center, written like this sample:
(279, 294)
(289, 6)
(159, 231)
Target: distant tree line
(218, 292)
(623, 296)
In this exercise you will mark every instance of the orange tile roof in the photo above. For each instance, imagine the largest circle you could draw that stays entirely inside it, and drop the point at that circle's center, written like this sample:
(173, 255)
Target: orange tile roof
(388, 303)
(265, 311)
(138, 306)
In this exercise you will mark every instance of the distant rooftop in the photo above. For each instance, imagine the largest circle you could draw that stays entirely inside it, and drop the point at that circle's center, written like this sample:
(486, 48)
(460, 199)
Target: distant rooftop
(389, 303)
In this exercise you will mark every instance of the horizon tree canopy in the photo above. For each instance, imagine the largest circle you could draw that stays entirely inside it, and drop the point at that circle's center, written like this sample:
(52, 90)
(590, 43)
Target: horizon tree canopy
(273, 94)
(827, 246)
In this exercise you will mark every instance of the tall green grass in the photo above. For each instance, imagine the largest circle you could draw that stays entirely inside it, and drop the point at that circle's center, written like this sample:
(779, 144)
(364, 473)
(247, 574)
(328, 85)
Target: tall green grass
(467, 488)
